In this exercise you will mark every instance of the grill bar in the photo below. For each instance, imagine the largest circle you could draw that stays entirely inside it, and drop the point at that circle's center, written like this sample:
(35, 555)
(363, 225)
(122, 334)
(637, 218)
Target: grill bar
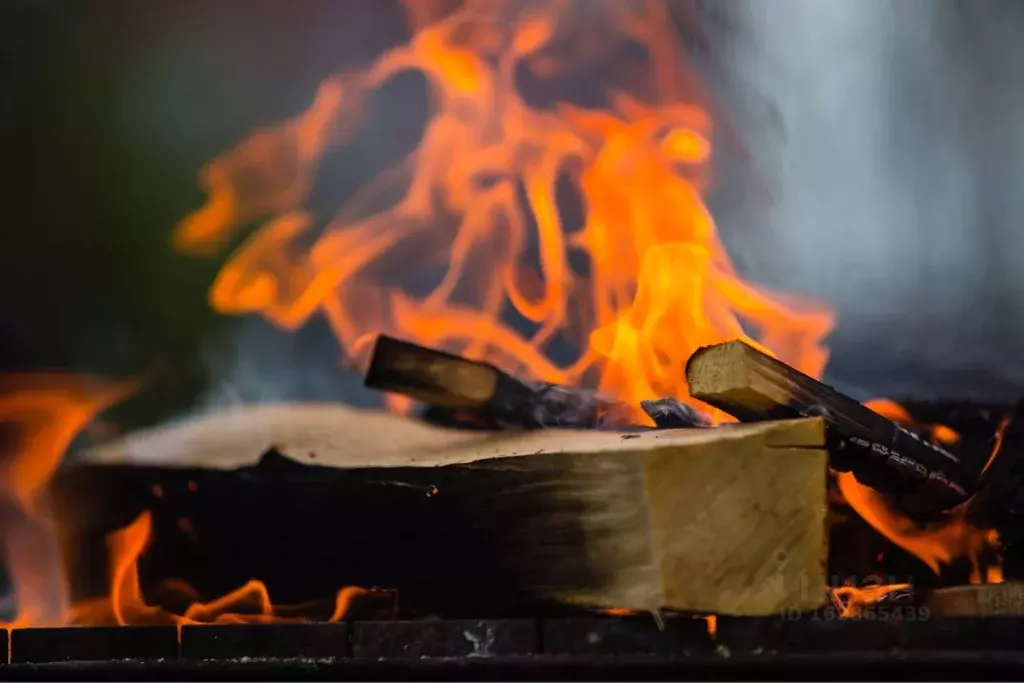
(631, 647)
(958, 666)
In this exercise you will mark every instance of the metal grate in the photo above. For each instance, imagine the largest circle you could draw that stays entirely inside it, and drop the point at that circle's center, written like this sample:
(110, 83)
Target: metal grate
(598, 648)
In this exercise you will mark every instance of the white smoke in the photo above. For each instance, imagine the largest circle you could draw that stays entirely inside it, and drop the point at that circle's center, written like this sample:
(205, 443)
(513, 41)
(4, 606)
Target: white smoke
(891, 159)
(264, 365)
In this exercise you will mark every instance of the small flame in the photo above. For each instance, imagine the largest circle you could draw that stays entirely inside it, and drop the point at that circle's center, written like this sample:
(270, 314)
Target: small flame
(936, 544)
(483, 191)
(1004, 424)
(937, 433)
(47, 412)
(247, 604)
(850, 601)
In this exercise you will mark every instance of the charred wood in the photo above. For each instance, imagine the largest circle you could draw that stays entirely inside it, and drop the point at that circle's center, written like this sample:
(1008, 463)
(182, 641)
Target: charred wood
(467, 393)
(670, 413)
(919, 476)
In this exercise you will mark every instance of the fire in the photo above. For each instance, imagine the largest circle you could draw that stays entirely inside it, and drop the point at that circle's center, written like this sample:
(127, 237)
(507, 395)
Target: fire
(634, 281)
(938, 433)
(47, 412)
(849, 601)
(250, 603)
(936, 544)
(630, 273)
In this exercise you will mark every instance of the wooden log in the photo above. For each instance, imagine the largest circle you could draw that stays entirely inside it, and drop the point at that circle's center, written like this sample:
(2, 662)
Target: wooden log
(985, 600)
(728, 520)
(921, 476)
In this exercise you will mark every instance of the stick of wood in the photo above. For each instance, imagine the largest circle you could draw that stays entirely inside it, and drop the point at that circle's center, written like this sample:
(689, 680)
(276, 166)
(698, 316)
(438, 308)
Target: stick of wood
(451, 382)
(728, 520)
(751, 386)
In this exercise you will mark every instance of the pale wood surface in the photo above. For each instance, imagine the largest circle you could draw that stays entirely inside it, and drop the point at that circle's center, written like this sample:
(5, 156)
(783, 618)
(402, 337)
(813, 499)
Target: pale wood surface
(342, 436)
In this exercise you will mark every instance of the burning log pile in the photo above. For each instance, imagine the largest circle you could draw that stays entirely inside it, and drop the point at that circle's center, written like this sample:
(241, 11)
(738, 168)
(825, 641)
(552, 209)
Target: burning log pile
(514, 498)
(707, 521)
(719, 487)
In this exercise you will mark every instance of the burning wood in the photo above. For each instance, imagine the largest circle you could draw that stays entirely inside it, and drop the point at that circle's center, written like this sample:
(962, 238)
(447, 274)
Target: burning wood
(449, 381)
(751, 386)
(495, 397)
(729, 520)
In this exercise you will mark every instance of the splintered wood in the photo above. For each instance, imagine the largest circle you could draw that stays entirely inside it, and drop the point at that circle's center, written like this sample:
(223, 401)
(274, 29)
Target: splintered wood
(729, 520)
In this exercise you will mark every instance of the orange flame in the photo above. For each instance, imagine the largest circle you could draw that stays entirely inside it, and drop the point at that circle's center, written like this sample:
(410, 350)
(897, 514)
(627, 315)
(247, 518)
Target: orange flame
(249, 603)
(47, 412)
(481, 195)
(850, 600)
(938, 433)
(935, 544)
(49, 409)
(482, 192)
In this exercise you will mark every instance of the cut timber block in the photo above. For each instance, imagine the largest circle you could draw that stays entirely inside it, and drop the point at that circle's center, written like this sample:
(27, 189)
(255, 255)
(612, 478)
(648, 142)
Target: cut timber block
(920, 476)
(741, 529)
(729, 520)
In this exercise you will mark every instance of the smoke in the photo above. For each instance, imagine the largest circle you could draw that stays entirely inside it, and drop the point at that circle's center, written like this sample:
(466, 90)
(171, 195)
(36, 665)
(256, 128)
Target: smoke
(890, 137)
(263, 365)
(887, 139)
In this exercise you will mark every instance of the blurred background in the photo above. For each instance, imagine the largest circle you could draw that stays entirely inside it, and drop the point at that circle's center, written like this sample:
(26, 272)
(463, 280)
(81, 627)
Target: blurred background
(878, 148)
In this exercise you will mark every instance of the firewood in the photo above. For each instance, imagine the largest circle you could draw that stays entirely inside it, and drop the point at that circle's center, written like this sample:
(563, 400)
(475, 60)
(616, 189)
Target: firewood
(985, 600)
(728, 520)
(922, 477)
(448, 381)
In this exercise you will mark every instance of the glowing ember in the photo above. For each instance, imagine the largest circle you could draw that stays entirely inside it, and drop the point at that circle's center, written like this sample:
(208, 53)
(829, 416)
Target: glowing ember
(481, 195)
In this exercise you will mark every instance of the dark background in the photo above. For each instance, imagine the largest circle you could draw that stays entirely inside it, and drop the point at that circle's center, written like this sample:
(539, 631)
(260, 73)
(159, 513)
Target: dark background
(112, 106)
(116, 104)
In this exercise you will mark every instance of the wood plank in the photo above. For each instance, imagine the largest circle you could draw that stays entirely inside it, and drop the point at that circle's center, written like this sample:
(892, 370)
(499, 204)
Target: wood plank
(728, 520)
